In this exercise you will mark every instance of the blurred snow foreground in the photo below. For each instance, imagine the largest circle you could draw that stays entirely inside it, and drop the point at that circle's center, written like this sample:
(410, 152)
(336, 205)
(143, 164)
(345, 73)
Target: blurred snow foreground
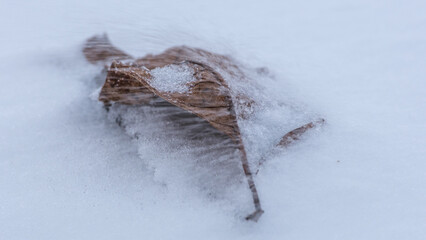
(208, 101)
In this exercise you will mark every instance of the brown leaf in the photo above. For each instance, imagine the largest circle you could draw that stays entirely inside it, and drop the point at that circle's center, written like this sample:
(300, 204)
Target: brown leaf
(124, 88)
(208, 96)
(295, 134)
(98, 49)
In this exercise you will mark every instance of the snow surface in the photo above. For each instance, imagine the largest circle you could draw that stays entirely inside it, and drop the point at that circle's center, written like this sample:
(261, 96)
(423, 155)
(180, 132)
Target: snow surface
(68, 172)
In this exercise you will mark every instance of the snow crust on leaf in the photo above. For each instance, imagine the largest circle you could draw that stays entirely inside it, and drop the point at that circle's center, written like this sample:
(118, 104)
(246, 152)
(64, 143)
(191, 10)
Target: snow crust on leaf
(172, 78)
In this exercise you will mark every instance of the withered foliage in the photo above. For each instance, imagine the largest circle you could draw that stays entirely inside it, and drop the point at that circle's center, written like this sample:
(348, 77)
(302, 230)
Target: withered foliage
(129, 81)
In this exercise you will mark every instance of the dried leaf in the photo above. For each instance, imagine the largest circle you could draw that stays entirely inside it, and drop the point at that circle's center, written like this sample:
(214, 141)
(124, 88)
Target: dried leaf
(122, 87)
(295, 134)
(208, 95)
(98, 49)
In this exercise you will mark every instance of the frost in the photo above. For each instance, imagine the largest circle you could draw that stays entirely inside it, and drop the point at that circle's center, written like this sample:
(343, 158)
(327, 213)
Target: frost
(95, 94)
(172, 78)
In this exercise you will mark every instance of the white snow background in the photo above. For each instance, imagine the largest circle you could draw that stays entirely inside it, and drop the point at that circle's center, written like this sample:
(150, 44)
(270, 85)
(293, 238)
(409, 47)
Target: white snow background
(68, 172)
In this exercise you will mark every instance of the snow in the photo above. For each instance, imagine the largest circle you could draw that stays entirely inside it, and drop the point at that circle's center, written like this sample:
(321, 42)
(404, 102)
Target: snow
(67, 171)
(172, 78)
